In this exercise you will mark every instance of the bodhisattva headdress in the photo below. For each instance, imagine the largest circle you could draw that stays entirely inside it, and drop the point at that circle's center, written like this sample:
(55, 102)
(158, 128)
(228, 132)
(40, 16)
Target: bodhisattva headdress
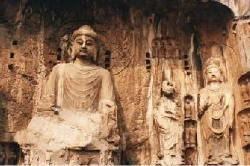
(84, 30)
(213, 62)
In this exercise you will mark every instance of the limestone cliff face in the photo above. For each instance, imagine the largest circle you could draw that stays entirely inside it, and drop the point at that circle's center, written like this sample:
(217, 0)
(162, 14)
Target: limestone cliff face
(143, 42)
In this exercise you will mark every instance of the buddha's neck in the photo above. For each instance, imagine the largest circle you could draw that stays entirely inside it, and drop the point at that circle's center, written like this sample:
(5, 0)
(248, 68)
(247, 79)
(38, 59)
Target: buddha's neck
(214, 85)
(83, 62)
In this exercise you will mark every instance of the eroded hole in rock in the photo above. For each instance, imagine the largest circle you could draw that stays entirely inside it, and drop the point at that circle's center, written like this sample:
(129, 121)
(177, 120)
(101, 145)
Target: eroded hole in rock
(107, 59)
(12, 55)
(11, 67)
(15, 42)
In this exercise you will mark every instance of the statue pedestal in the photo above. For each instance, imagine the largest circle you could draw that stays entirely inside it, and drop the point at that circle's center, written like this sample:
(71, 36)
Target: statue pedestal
(33, 156)
(70, 137)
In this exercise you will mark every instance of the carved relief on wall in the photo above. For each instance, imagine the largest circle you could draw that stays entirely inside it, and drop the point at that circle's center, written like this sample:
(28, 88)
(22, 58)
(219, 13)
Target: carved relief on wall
(189, 107)
(244, 84)
(244, 114)
(216, 115)
(244, 123)
(168, 126)
(9, 153)
(190, 133)
(165, 48)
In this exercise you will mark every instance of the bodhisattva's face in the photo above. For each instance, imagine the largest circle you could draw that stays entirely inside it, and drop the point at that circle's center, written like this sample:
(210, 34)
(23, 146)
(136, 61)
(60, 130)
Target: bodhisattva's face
(214, 74)
(167, 88)
(84, 47)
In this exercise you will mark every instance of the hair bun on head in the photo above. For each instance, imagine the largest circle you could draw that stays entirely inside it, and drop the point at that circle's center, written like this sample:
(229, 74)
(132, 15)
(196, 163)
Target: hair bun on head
(84, 30)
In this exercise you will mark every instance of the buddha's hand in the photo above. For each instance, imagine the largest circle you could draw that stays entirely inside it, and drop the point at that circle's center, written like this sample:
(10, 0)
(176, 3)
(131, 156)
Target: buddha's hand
(107, 106)
(56, 109)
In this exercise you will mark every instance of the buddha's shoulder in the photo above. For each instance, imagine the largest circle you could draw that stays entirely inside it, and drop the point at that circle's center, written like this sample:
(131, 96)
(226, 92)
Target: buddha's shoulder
(103, 71)
(61, 65)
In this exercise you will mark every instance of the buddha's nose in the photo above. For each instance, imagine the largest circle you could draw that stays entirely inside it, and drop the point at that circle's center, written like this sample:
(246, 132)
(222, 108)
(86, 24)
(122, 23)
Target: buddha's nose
(83, 45)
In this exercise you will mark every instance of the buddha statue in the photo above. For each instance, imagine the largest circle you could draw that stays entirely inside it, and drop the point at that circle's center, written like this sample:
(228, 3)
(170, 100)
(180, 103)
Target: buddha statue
(77, 107)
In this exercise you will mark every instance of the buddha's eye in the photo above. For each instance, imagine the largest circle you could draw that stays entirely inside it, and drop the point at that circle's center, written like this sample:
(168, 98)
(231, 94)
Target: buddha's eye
(80, 42)
(89, 43)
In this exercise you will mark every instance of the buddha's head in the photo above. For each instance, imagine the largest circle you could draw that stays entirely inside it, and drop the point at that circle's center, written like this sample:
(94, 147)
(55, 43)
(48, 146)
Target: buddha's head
(84, 44)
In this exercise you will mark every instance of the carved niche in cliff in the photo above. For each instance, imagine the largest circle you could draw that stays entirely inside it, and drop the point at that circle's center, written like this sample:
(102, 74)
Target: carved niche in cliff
(244, 122)
(244, 83)
(244, 114)
(190, 130)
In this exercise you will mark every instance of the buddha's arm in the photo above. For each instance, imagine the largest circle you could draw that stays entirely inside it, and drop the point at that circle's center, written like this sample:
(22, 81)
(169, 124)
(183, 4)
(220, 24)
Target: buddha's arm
(107, 89)
(48, 97)
(108, 106)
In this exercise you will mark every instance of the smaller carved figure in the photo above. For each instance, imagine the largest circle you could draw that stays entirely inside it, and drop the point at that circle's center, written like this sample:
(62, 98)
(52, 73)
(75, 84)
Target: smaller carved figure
(190, 156)
(245, 126)
(190, 134)
(2, 155)
(64, 47)
(188, 107)
(169, 130)
(12, 160)
(245, 90)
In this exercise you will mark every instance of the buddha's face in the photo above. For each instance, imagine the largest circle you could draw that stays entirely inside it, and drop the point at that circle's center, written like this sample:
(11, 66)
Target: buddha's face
(214, 74)
(84, 47)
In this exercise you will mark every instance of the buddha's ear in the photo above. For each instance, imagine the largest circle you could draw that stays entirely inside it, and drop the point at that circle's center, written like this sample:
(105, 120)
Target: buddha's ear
(96, 56)
(71, 51)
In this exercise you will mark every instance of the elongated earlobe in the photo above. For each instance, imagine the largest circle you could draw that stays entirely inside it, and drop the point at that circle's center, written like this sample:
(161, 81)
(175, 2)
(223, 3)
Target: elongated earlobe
(72, 53)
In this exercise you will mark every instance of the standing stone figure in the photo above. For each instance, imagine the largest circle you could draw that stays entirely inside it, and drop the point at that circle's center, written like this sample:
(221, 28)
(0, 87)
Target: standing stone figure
(169, 130)
(2, 155)
(216, 113)
(82, 97)
(190, 134)
(189, 107)
(245, 90)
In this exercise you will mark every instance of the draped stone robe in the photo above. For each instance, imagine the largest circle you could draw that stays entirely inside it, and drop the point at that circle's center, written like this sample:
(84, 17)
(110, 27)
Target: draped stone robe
(216, 120)
(76, 87)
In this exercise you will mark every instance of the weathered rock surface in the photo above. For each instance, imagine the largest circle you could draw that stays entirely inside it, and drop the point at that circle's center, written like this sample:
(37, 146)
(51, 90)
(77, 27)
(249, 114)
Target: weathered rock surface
(143, 42)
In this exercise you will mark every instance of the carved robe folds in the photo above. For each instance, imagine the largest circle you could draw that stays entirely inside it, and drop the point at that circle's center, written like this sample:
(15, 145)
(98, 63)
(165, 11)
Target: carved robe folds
(169, 132)
(75, 87)
(216, 113)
